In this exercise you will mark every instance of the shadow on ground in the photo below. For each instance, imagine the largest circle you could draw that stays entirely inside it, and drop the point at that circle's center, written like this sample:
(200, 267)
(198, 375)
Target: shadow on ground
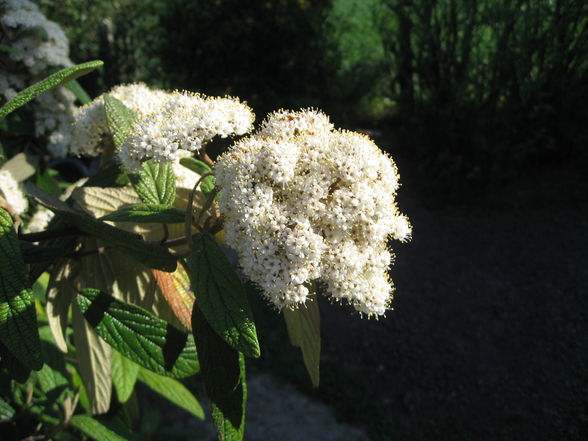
(488, 338)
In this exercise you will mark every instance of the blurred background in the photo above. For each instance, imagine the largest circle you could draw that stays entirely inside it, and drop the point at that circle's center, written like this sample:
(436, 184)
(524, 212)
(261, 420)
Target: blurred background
(483, 105)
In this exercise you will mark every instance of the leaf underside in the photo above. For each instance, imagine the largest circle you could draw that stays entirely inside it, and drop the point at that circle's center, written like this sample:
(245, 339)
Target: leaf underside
(131, 244)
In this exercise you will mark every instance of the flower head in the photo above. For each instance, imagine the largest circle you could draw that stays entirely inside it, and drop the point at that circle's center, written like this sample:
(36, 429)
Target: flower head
(90, 126)
(12, 192)
(304, 202)
(185, 121)
(38, 45)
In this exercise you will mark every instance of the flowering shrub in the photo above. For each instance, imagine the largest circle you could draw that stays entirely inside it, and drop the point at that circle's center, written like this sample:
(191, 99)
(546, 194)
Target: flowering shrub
(33, 47)
(137, 252)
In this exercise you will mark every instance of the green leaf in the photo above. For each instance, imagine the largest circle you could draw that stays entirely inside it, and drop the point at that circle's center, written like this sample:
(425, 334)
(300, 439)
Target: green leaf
(95, 429)
(57, 79)
(76, 88)
(223, 373)
(124, 376)
(221, 296)
(47, 181)
(18, 319)
(53, 375)
(110, 175)
(21, 166)
(145, 339)
(207, 185)
(173, 390)
(32, 254)
(155, 183)
(6, 411)
(16, 370)
(304, 331)
(154, 256)
(120, 119)
(196, 165)
(146, 213)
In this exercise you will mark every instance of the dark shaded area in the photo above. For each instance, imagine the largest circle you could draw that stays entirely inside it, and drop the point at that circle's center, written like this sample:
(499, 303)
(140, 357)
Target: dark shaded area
(488, 338)
(486, 115)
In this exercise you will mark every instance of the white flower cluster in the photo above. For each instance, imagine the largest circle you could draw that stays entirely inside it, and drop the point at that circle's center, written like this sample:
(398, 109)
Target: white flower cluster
(185, 121)
(303, 202)
(40, 220)
(167, 123)
(37, 44)
(12, 192)
(90, 120)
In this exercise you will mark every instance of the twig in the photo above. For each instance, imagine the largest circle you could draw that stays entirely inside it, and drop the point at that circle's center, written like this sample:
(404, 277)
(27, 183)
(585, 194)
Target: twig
(189, 216)
(205, 158)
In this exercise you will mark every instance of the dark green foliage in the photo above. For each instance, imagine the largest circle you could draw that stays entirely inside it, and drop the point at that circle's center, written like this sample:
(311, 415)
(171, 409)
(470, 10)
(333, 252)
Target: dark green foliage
(221, 296)
(143, 338)
(487, 89)
(18, 321)
(57, 79)
(223, 373)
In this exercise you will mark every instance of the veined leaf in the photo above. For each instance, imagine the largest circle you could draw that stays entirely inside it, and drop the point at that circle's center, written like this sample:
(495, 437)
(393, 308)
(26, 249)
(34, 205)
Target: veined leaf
(221, 296)
(136, 285)
(94, 355)
(53, 375)
(120, 119)
(95, 429)
(146, 213)
(175, 288)
(21, 166)
(74, 87)
(155, 183)
(145, 339)
(59, 297)
(57, 79)
(207, 185)
(18, 319)
(99, 201)
(124, 376)
(131, 244)
(94, 363)
(223, 373)
(16, 370)
(173, 390)
(304, 331)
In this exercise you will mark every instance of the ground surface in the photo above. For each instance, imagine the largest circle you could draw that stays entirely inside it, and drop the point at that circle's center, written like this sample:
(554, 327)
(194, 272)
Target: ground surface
(488, 339)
